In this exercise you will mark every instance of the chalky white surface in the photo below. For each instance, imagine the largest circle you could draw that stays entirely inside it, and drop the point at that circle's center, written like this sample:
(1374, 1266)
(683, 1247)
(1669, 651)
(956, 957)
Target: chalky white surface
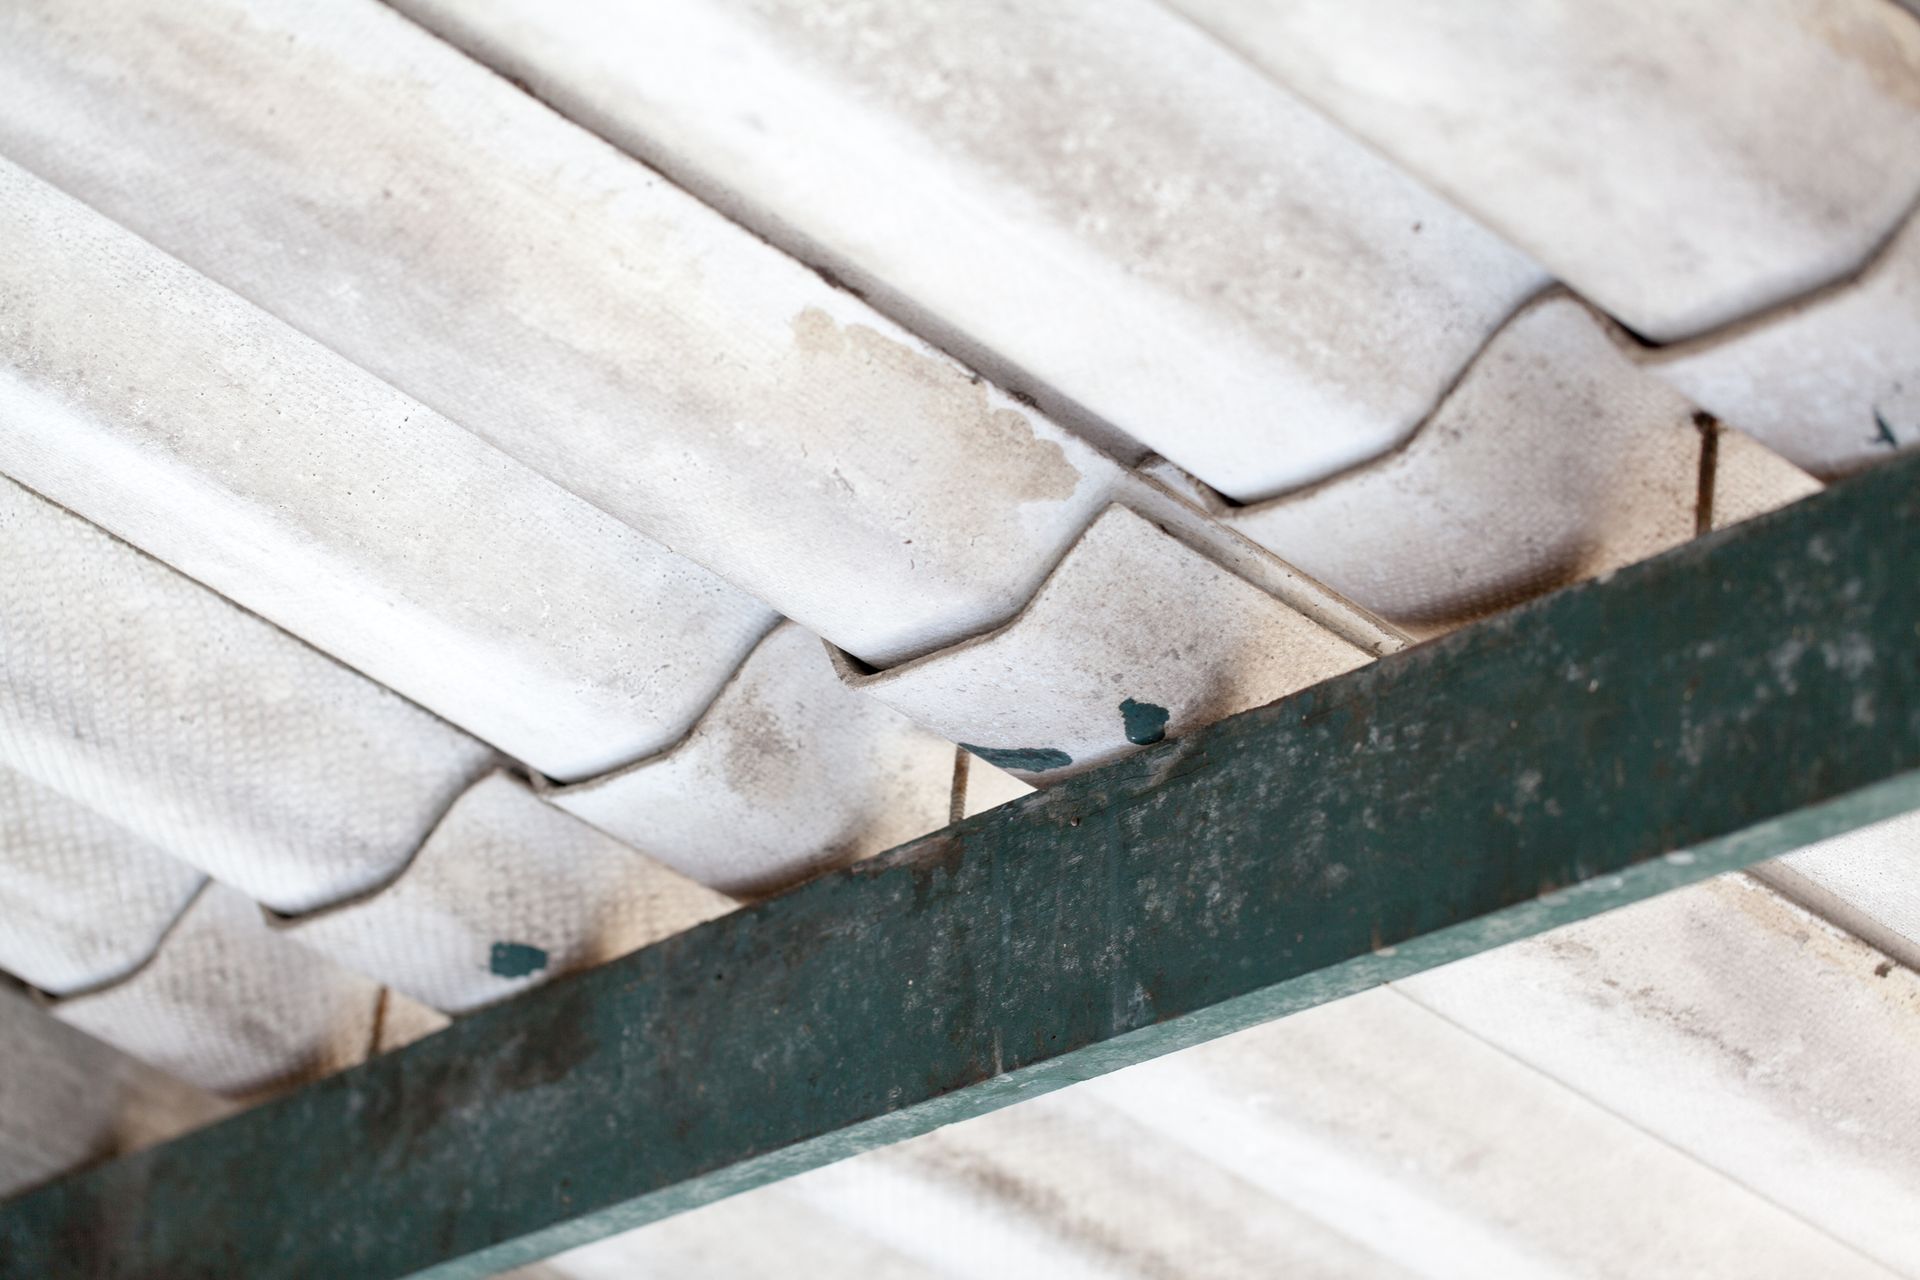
(1833, 383)
(352, 175)
(1554, 460)
(787, 773)
(229, 1005)
(507, 893)
(202, 729)
(1086, 198)
(1736, 1028)
(158, 405)
(1682, 165)
(82, 900)
(1130, 616)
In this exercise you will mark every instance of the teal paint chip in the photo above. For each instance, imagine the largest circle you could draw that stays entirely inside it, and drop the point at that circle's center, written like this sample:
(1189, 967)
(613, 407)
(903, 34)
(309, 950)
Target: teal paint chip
(1885, 429)
(1031, 759)
(516, 960)
(1145, 722)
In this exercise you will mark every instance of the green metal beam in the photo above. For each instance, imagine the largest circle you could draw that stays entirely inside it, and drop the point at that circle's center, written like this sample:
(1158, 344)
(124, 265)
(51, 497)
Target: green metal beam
(1751, 692)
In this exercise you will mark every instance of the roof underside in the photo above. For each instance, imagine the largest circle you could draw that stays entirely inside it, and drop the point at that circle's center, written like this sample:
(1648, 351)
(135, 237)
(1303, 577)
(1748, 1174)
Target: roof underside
(487, 487)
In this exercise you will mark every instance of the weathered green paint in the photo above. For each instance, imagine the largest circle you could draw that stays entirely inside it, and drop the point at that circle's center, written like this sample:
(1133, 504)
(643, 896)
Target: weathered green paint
(1751, 692)
(515, 959)
(1145, 723)
(1030, 759)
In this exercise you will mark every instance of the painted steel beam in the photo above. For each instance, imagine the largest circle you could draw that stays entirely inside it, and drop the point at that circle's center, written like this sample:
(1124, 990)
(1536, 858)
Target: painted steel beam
(1739, 697)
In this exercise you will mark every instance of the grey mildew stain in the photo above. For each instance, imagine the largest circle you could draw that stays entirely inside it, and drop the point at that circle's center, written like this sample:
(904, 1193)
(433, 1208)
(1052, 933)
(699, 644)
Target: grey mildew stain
(1862, 37)
(872, 367)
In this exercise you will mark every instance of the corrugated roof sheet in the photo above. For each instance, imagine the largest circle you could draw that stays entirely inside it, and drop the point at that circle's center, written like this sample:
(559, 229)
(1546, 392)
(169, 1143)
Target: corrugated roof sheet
(407, 478)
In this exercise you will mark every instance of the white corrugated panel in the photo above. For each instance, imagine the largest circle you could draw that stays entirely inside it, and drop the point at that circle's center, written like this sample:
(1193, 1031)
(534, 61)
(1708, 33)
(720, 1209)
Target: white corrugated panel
(1555, 459)
(1832, 382)
(1134, 638)
(506, 893)
(788, 773)
(1087, 198)
(350, 174)
(355, 334)
(1738, 1029)
(203, 729)
(1867, 881)
(233, 1007)
(158, 405)
(82, 900)
(1682, 165)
